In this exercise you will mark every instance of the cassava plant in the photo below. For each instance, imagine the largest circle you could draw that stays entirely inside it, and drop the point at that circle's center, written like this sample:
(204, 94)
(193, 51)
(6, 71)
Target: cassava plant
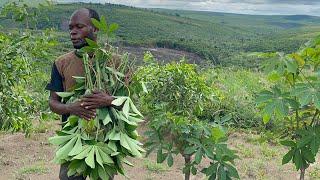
(98, 148)
(174, 97)
(21, 52)
(295, 100)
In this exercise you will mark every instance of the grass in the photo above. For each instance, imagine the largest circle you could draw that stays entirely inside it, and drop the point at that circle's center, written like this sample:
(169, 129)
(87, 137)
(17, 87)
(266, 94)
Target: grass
(315, 173)
(38, 168)
(245, 152)
(268, 152)
(155, 167)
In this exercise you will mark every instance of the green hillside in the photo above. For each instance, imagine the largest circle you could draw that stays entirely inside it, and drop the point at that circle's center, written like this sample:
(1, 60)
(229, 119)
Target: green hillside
(28, 2)
(219, 37)
(262, 21)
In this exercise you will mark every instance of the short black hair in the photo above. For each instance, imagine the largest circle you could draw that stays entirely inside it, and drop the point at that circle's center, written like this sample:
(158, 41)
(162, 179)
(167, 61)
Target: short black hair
(93, 14)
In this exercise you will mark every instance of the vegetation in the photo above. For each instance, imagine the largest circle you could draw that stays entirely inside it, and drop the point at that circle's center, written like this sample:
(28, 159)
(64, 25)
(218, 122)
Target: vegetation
(258, 76)
(23, 53)
(295, 100)
(176, 95)
(217, 37)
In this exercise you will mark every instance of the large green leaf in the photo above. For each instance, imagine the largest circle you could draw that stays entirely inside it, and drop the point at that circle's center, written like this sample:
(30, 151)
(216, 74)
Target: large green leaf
(91, 43)
(103, 24)
(90, 158)
(288, 143)
(130, 144)
(274, 102)
(232, 171)
(98, 157)
(96, 23)
(58, 140)
(297, 159)
(134, 108)
(170, 160)
(77, 147)
(105, 158)
(198, 156)
(287, 157)
(119, 101)
(292, 66)
(65, 149)
(308, 93)
(113, 135)
(112, 28)
(217, 133)
(84, 153)
(126, 109)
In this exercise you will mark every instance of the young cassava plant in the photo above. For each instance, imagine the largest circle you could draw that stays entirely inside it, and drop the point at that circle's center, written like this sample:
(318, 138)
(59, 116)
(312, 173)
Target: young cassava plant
(174, 97)
(295, 100)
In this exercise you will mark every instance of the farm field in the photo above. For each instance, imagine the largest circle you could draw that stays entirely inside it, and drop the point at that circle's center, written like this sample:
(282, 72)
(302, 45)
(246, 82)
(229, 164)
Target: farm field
(180, 94)
(35, 163)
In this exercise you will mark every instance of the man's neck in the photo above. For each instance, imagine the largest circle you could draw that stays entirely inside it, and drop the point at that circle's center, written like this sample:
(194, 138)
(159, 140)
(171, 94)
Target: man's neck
(80, 54)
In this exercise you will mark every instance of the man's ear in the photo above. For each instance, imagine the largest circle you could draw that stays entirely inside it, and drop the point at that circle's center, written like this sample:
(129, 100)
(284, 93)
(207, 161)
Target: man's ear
(95, 30)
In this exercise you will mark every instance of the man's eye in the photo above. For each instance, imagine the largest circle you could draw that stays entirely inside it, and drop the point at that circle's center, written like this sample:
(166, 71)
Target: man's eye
(80, 26)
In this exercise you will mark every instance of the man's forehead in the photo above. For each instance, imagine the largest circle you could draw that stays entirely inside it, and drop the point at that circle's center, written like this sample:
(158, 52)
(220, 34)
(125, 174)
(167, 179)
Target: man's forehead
(80, 16)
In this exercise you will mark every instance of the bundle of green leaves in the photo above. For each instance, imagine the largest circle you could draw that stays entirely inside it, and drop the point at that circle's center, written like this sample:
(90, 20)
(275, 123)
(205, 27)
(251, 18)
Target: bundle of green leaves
(97, 148)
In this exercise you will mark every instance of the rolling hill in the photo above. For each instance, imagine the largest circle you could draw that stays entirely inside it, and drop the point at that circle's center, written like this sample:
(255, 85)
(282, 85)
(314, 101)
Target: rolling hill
(219, 37)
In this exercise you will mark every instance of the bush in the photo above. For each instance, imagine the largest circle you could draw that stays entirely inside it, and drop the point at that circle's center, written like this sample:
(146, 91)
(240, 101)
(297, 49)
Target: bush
(236, 90)
(176, 95)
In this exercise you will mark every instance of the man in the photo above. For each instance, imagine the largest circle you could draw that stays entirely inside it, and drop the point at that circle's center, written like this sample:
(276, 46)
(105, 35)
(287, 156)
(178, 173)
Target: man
(69, 65)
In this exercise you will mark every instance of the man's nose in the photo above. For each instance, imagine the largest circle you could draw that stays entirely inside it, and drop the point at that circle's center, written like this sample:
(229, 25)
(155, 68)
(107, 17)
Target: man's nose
(73, 32)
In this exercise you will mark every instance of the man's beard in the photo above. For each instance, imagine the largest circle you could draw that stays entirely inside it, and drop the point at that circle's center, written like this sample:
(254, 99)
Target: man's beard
(82, 42)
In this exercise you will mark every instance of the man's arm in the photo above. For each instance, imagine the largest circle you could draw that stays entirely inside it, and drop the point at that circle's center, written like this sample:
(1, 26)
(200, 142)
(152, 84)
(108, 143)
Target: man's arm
(76, 108)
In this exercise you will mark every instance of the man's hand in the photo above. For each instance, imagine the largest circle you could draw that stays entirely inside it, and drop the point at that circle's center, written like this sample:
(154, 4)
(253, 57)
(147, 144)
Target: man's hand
(78, 110)
(97, 99)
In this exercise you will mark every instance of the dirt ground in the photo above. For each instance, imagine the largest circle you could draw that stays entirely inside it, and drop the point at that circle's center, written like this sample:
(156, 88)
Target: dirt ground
(30, 159)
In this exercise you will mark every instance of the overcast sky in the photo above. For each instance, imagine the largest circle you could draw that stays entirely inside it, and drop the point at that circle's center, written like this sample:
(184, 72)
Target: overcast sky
(267, 7)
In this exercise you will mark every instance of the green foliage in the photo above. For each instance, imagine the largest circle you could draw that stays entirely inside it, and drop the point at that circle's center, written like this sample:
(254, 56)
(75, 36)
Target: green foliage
(174, 96)
(21, 12)
(19, 55)
(295, 100)
(23, 54)
(236, 89)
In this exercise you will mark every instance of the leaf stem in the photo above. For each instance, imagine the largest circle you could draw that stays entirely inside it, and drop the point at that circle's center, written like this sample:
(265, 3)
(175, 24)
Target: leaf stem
(314, 117)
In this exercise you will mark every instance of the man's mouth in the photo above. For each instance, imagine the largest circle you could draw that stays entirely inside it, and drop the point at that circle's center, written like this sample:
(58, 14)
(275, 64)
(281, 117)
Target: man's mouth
(75, 41)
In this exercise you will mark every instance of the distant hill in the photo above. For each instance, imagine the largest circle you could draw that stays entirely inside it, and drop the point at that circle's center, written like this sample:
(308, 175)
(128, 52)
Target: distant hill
(215, 36)
(300, 17)
(246, 20)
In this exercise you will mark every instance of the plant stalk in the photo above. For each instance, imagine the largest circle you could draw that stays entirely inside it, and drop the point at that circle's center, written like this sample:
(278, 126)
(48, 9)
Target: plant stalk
(302, 172)
(187, 160)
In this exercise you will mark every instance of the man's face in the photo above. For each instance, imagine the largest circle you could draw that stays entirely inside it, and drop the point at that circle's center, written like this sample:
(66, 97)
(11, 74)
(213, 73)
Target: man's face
(80, 27)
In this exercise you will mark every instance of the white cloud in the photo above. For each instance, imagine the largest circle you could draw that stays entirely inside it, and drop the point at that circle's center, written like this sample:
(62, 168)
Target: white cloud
(268, 7)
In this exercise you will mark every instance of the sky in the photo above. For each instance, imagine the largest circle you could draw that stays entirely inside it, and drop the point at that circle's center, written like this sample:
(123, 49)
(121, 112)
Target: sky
(260, 7)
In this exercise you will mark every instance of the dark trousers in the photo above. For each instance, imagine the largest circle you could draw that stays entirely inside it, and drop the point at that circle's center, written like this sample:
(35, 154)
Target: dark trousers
(63, 175)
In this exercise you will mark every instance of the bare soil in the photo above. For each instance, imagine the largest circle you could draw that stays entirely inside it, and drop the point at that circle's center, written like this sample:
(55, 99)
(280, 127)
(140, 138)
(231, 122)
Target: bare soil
(30, 159)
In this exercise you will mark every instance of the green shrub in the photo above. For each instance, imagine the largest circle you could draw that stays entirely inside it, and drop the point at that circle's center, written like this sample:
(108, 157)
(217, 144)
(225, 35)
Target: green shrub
(175, 97)
(236, 90)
